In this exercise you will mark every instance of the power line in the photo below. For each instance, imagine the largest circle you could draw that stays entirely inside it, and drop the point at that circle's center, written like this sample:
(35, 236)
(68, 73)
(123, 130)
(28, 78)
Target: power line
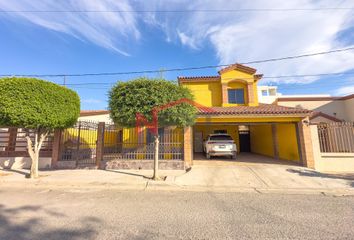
(304, 86)
(298, 85)
(184, 10)
(264, 77)
(179, 69)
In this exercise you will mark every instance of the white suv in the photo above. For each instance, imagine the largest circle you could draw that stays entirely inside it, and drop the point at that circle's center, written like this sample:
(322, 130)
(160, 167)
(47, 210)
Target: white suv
(219, 144)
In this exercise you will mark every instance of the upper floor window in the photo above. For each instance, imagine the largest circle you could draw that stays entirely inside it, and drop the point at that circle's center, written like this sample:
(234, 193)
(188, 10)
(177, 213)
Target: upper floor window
(236, 96)
(272, 92)
(264, 93)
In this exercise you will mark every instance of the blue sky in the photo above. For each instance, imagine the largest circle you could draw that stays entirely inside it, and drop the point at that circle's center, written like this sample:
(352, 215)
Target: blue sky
(56, 43)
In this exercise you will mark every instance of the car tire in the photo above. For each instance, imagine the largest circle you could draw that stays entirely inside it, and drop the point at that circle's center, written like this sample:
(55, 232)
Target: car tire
(207, 155)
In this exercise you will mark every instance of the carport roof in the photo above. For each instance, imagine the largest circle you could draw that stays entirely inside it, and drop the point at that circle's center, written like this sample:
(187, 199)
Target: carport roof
(262, 109)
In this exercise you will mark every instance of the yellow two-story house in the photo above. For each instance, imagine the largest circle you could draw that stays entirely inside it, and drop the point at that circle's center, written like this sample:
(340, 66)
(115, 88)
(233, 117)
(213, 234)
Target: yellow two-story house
(279, 132)
(265, 129)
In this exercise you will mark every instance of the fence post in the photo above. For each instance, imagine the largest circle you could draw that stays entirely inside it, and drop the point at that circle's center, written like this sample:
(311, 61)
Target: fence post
(315, 146)
(56, 147)
(188, 146)
(100, 143)
(306, 144)
(11, 145)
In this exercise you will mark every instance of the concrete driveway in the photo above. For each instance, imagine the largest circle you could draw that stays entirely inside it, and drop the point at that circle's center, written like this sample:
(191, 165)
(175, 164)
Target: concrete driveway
(259, 172)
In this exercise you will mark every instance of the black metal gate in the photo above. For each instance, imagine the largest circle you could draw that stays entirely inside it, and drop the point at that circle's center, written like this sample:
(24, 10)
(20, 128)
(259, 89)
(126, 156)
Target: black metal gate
(79, 143)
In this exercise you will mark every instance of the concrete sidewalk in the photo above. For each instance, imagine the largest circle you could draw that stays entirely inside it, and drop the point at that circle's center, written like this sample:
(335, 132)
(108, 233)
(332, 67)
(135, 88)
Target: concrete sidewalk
(124, 179)
(265, 177)
(202, 177)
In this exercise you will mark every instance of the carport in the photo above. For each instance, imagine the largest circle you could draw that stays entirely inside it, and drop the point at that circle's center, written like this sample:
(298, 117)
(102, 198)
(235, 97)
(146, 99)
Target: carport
(278, 141)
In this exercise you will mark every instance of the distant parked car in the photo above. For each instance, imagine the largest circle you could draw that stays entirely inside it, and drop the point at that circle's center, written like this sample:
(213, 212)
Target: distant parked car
(219, 144)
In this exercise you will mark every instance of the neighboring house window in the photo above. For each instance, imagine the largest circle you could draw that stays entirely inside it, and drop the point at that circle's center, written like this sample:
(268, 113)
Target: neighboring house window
(264, 93)
(236, 96)
(272, 92)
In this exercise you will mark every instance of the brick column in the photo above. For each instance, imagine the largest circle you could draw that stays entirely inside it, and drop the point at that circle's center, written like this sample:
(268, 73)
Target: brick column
(250, 93)
(275, 141)
(225, 98)
(100, 143)
(56, 147)
(305, 139)
(188, 146)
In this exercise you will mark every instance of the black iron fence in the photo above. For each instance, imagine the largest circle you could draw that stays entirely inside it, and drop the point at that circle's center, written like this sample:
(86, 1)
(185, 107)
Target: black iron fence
(129, 144)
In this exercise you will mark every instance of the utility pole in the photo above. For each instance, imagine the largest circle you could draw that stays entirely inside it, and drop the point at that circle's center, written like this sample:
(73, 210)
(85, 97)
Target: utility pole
(161, 73)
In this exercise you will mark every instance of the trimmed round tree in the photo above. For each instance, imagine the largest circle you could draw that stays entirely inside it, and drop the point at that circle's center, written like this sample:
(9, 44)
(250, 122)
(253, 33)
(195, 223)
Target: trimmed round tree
(141, 95)
(37, 105)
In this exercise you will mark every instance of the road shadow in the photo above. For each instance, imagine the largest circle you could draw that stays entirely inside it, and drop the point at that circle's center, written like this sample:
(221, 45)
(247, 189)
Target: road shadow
(16, 171)
(312, 173)
(28, 222)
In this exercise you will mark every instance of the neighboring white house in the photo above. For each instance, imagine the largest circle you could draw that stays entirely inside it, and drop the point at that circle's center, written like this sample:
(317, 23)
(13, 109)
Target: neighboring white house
(331, 108)
(326, 108)
(268, 94)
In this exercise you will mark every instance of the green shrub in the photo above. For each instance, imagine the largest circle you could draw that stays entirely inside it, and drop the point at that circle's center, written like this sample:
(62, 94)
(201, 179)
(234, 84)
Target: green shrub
(141, 95)
(39, 105)
(33, 103)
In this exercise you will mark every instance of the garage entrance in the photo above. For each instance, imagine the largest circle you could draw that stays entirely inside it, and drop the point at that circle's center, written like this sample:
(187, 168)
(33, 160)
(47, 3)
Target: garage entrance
(276, 141)
(244, 137)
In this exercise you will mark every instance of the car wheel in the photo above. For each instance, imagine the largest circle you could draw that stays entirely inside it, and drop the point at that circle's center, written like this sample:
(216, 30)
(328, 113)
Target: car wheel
(207, 155)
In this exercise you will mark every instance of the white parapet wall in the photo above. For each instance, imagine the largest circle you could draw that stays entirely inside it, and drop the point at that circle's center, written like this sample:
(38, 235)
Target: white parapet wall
(23, 162)
(336, 162)
(330, 162)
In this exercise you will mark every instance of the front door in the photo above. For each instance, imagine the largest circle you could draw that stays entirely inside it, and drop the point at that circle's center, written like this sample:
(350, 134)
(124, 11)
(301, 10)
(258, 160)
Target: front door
(245, 143)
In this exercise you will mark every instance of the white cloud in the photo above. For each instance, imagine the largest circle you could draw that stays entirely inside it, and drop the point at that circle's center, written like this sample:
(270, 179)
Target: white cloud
(247, 36)
(107, 29)
(345, 90)
(235, 36)
(186, 40)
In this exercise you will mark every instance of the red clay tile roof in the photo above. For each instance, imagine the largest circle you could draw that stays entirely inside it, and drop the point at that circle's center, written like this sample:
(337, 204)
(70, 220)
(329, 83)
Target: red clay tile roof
(262, 109)
(324, 115)
(347, 97)
(258, 76)
(235, 66)
(84, 113)
(198, 79)
(239, 67)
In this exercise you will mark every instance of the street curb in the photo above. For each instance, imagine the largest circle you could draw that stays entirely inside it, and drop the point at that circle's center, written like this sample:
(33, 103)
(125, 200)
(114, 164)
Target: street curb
(150, 185)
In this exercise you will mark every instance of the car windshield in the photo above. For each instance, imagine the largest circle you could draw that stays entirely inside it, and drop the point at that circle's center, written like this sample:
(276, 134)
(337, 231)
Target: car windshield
(221, 137)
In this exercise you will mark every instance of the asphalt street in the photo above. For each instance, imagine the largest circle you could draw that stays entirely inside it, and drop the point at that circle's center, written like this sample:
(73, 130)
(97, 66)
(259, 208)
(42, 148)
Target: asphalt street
(38, 213)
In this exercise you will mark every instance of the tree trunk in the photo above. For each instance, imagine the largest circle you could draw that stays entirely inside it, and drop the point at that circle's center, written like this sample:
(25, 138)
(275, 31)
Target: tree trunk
(34, 149)
(34, 166)
(156, 159)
